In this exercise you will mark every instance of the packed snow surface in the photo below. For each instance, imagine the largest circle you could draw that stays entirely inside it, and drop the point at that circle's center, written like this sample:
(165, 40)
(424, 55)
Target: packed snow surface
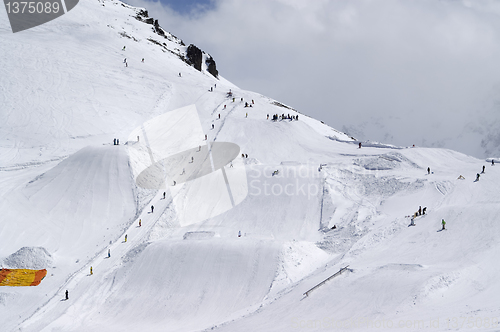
(246, 229)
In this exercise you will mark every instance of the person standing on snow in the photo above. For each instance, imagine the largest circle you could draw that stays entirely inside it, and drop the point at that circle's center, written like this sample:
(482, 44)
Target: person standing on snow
(443, 223)
(428, 170)
(419, 210)
(483, 169)
(492, 162)
(67, 295)
(152, 208)
(109, 253)
(477, 177)
(91, 271)
(140, 222)
(164, 193)
(125, 237)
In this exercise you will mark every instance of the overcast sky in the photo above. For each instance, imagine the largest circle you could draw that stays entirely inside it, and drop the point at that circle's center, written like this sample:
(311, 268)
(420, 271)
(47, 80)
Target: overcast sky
(405, 72)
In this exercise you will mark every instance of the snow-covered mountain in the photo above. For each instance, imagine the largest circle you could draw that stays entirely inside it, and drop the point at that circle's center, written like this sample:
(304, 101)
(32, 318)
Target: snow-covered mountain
(69, 196)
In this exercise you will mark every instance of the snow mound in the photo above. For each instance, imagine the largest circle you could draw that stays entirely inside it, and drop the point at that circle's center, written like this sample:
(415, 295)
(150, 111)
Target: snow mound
(198, 235)
(35, 258)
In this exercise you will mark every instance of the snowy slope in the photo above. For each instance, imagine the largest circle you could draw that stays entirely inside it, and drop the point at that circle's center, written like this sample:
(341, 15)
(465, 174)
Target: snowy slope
(66, 93)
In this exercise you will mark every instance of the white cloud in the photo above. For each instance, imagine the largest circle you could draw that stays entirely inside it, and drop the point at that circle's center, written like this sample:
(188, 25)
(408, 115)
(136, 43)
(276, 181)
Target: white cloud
(424, 69)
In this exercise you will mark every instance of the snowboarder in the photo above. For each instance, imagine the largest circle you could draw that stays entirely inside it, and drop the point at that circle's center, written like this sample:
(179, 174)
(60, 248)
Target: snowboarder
(125, 237)
(483, 169)
(123, 49)
(109, 253)
(91, 271)
(164, 193)
(477, 177)
(192, 159)
(140, 222)
(428, 170)
(443, 223)
(67, 295)
(152, 208)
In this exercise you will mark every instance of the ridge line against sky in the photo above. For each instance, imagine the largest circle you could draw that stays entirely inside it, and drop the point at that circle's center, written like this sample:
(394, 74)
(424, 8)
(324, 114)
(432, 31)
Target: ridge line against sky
(401, 72)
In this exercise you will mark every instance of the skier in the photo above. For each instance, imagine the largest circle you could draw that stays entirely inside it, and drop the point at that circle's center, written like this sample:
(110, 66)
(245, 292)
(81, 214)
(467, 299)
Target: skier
(140, 222)
(246, 156)
(224, 106)
(125, 237)
(211, 89)
(246, 116)
(419, 210)
(360, 145)
(192, 159)
(152, 208)
(424, 210)
(483, 169)
(297, 117)
(123, 49)
(205, 137)
(164, 193)
(443, 223)
(67, 295)
(174, 183)
(180, 75)
(477, 177)
(91, 271)
(109, 253)
(219, 115)
(492, 162)
(268, 116)
(428, 170)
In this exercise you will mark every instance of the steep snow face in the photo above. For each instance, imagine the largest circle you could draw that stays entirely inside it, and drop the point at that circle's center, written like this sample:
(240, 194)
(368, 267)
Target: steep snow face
(187, 257)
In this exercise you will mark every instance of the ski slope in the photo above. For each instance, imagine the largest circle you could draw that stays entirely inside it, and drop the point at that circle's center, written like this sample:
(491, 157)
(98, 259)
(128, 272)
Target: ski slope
(201, 260)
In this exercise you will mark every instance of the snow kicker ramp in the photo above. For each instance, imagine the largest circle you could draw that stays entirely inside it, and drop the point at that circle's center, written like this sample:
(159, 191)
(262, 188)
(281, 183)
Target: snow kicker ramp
(21, 277)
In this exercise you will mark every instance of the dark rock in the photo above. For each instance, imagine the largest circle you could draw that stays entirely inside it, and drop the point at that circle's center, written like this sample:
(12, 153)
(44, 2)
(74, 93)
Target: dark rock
(212, 67)
(194, 56)
(158, 29)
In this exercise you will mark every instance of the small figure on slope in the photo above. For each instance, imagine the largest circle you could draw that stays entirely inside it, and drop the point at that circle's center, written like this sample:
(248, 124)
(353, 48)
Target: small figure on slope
(443, 223)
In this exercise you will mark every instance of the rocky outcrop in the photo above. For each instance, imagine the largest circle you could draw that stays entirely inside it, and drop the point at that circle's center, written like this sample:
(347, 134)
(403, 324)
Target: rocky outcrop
(194, 56)
(211, 66)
